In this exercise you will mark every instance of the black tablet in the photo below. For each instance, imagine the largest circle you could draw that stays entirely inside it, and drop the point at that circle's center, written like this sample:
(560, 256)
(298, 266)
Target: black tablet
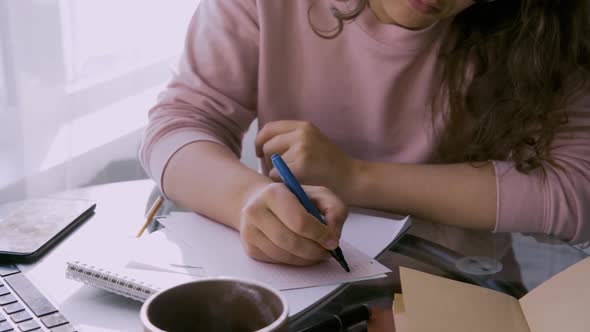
(29, 228)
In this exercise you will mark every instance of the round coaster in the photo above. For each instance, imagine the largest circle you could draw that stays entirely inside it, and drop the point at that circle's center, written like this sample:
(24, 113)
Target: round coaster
(479, 265)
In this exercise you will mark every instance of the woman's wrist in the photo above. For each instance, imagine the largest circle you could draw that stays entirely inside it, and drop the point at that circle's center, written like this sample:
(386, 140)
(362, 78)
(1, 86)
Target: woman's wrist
(357, 187)
(247, 191)
(373, 185)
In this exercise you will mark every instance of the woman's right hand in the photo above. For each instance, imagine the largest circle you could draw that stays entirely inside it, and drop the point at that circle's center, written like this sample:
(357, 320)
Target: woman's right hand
(276, 228)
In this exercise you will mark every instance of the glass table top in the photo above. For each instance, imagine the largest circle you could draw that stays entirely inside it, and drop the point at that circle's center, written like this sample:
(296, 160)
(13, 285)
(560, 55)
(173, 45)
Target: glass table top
(510, 263)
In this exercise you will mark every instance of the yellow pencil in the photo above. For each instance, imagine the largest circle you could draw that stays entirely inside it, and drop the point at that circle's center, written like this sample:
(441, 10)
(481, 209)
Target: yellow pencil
(151, 214)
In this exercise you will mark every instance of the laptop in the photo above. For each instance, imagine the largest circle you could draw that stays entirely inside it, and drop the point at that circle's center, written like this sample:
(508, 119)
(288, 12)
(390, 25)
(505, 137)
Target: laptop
(28, 230)
(24, 308)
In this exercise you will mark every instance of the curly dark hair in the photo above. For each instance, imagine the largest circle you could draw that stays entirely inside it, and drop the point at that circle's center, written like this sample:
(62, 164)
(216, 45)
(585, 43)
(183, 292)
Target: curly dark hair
(508, 70)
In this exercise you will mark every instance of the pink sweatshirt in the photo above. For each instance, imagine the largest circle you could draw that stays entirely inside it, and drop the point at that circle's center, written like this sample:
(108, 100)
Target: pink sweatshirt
(368, 90)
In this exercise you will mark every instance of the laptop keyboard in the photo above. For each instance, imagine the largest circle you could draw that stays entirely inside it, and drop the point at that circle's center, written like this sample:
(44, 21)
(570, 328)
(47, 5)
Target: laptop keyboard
(24, 308)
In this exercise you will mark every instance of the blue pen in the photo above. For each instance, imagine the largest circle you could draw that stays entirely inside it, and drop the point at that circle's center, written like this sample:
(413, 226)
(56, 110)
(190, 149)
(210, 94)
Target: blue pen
(291, 183)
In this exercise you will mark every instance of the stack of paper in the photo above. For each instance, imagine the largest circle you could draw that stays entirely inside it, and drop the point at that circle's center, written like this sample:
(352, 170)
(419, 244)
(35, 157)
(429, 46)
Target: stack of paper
(220, 252)
(191, 247)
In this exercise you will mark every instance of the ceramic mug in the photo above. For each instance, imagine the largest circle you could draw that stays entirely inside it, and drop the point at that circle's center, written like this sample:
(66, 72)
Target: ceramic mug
(216, 304)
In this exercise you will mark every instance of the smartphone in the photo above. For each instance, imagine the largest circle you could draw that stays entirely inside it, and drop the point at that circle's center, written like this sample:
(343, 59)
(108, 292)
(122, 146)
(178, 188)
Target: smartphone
(30, 228)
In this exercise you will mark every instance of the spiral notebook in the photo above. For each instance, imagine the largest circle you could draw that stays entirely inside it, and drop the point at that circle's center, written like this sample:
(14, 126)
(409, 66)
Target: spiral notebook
(127, 281)
(137, 268)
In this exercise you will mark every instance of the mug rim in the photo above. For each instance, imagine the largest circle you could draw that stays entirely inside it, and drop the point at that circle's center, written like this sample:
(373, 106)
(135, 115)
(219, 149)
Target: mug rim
(276, 323)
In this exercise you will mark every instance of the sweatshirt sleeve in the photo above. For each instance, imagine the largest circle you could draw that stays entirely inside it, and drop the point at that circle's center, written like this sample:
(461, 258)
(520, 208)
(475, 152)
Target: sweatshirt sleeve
(559, 203)
(212, 94)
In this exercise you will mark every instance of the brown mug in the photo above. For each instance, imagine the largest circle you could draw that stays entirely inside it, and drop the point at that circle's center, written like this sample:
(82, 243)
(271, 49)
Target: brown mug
(216, 304)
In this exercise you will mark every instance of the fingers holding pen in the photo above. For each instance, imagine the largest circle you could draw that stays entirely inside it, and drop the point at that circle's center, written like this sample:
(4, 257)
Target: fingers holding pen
(263, 249)
(330, 206)
(274, 223)
(293, 215)
(285, 239)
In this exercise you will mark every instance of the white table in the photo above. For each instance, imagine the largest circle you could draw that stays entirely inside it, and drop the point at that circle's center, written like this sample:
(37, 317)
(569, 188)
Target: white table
(119, 214)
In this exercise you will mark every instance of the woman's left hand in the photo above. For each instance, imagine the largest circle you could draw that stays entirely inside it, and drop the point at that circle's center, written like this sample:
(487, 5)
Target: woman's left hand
(310, 155)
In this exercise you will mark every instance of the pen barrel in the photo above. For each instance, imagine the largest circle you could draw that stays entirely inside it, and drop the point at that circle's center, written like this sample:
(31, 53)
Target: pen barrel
(291, 182)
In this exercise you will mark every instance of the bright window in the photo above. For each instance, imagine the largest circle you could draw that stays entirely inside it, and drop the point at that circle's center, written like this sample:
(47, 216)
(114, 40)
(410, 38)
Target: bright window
(116, 36)
(81, 76)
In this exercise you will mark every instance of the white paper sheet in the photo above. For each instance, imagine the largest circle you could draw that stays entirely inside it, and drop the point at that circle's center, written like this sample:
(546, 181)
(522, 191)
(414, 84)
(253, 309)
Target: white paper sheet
(219, 250)
(164, 252)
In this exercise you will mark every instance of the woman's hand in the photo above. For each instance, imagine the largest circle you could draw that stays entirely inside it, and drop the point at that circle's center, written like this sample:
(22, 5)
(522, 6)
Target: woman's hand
(310, 155)
(276, 228)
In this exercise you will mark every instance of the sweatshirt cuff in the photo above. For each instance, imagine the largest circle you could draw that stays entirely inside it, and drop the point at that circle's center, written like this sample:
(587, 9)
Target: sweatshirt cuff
(164, 148)
(520, 198)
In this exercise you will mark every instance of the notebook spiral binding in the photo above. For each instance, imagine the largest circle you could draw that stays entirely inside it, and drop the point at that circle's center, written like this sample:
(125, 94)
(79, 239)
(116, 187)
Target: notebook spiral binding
(109, 281)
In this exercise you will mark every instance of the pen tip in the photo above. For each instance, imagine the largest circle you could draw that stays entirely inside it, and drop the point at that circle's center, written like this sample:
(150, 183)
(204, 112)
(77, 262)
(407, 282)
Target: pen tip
(339, 257)
(345, 265)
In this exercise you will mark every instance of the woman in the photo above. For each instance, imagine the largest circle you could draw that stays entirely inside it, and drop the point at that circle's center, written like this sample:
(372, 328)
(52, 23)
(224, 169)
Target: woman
(466, 113)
